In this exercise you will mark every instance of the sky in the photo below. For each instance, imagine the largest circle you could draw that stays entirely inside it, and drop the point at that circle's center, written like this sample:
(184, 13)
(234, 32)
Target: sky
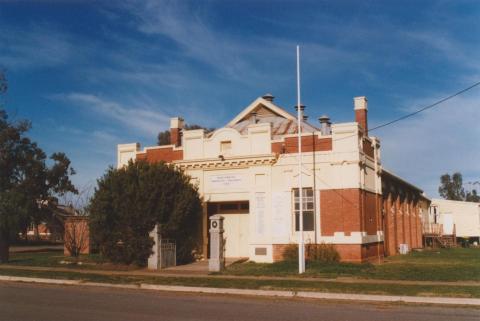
(94, 74)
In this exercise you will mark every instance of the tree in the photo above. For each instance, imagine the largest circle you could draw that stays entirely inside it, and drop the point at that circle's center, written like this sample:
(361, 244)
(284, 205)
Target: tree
(163, 137)
(451, 188)
(472, 196)
(129, 201)
(27, 183)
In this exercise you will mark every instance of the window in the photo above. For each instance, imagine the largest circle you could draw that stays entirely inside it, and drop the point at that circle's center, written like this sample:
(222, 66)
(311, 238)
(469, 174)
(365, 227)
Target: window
(308, 210)
(225, 147)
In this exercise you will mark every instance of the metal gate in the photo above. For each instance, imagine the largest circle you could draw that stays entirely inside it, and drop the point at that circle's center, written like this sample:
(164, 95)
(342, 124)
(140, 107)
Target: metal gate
(168, 253)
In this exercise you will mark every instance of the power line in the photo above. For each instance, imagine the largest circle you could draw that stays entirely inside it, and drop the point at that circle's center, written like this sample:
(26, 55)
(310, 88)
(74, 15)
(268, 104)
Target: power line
(426, 107)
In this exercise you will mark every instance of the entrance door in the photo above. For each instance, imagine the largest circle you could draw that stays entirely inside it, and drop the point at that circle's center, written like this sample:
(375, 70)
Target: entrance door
(447, 224)
(236, 234)
(235, 224)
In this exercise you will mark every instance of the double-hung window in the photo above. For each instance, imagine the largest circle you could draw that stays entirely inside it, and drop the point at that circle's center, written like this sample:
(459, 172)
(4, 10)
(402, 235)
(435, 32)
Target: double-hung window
(308, 209)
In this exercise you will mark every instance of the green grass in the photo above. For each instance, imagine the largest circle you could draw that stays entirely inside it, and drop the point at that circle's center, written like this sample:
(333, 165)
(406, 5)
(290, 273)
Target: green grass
(459, 264)
(290, 285)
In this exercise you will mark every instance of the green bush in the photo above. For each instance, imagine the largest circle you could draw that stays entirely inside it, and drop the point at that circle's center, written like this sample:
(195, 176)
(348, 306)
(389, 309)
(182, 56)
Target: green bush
(322, 253)
(129, 201)
(290, 253)
(313, 252)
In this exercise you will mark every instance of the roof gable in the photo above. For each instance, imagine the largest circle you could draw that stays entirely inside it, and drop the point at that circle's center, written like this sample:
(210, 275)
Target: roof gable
(282, 122)
(264, 108)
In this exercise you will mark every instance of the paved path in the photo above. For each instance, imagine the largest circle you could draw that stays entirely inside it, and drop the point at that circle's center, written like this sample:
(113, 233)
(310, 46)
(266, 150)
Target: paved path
(199, 274)
(33, 302)
(34, 248)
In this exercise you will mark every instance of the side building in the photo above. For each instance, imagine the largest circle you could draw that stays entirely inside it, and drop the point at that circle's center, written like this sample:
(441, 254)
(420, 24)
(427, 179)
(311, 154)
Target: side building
(458, 218)
(247, 172)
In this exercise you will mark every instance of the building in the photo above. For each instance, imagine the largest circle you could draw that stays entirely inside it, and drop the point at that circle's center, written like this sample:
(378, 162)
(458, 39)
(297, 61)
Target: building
(458, 218)
(247, 172)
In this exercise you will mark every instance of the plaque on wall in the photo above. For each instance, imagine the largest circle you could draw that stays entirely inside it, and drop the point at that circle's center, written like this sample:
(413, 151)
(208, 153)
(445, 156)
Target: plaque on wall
(260, 213)
(281, 214)
(234, 181)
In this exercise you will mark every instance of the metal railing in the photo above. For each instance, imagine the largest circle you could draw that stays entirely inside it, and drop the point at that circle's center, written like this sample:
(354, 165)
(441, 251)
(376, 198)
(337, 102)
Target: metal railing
(433, 229)
(168, 253)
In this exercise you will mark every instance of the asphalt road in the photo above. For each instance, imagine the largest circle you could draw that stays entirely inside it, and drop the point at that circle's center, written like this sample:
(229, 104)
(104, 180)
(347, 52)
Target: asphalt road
(25, 302)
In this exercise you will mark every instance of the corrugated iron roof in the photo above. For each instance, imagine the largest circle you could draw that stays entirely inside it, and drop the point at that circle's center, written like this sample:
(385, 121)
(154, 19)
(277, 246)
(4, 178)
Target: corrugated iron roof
(280, 125)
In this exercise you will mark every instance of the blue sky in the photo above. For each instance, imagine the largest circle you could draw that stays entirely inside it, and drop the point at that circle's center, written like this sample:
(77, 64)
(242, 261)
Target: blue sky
(93, 74)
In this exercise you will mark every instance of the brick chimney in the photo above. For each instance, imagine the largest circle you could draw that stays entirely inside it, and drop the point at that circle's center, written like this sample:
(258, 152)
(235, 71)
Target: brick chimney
(361, 110)
(176, 126)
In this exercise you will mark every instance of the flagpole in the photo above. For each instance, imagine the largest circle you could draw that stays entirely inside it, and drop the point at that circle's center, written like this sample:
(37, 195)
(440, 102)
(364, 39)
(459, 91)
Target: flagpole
(301, 247)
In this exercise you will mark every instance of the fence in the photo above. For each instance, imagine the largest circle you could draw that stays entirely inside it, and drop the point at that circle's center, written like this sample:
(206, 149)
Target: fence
(168, 253)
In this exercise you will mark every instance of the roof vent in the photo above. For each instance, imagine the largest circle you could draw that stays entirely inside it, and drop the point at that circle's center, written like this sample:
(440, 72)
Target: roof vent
(268, 97)
(325, 125)
(302, 108)
(305, 117)
(254, 117)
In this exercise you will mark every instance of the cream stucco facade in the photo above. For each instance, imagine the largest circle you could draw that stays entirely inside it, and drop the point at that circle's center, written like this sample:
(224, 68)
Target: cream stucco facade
(253, 160)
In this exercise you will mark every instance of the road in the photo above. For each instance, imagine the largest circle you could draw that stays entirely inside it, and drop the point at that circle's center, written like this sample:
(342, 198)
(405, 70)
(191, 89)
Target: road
(25, 302)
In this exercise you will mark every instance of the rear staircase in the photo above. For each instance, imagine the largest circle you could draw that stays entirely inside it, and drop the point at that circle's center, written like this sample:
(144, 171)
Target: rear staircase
(433, 236)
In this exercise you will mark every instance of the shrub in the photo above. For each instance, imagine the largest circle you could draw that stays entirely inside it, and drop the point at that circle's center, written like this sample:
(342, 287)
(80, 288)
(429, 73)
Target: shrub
(290, 253)
(313, 252)
(129, 201)
(322, 253)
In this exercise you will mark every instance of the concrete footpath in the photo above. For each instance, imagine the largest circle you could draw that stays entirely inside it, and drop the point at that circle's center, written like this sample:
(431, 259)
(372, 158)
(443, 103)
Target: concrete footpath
(259, 293)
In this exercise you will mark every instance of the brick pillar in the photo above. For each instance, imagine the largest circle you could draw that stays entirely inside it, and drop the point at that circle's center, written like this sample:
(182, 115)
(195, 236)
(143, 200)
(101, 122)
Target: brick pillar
(398, 223)
(176, 125)
(361, 111)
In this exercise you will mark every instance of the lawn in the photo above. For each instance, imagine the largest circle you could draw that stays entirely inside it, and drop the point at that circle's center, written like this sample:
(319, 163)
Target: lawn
(283, 284)
(439, 265)
(459, 264)
(57, 259)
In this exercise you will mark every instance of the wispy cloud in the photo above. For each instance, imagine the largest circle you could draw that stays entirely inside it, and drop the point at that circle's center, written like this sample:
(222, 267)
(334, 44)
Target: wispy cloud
(438, 141)
(34, 46)
(142, 119)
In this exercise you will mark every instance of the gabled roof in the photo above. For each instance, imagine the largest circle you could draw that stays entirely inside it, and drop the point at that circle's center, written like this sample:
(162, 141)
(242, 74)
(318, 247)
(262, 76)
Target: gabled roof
(283, 123)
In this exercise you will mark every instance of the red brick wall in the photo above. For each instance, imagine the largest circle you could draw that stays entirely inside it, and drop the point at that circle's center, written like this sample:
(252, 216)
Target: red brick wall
(166, 154)
(309, 144)
(340, 211)
(349, 210)
(402, 223)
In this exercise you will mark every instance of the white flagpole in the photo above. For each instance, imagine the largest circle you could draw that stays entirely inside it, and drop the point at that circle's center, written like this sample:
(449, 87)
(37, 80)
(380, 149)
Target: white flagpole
(301, 247)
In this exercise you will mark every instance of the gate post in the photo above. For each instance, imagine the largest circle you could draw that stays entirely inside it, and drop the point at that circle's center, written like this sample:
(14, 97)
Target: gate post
(154, 259)
(216, 263)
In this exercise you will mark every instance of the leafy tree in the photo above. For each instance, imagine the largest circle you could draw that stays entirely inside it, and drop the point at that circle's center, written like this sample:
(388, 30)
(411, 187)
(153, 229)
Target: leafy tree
(451, 188)
(27, 183)
(472, 196)
(163, 138)
(129, 201)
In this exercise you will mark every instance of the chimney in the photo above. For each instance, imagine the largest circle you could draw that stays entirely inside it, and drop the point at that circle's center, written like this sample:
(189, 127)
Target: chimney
(325, 125)
(361, 109)
(176, 126)
(302, 110)
(268, 97)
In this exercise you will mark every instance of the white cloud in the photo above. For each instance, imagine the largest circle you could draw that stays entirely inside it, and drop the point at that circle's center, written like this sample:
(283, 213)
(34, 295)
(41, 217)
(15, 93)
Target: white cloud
(142, 119)
(438, 141)
(34, 46)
